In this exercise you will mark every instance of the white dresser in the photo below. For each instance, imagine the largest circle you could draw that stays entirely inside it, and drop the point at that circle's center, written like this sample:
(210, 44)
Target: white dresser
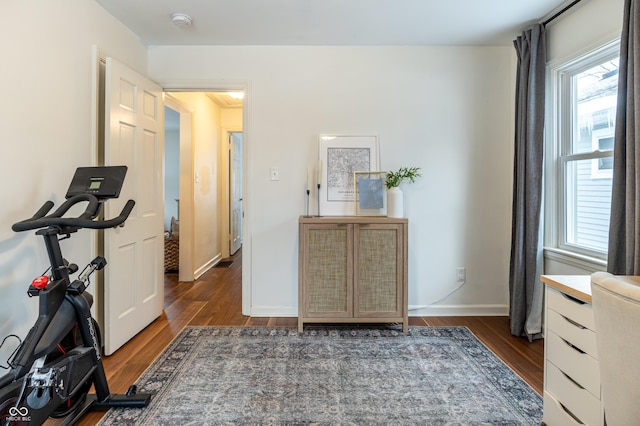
(571, 374)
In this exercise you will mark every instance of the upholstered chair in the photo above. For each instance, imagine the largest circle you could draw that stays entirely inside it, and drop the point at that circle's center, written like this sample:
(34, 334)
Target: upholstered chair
(616, 310)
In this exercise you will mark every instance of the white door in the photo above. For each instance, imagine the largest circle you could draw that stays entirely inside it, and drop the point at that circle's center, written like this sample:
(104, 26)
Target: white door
(134, 136)
(235, 190)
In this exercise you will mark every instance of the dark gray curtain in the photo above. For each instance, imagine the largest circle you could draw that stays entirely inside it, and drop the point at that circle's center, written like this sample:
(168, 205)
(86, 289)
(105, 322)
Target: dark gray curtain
(525, 288)
(624, 229)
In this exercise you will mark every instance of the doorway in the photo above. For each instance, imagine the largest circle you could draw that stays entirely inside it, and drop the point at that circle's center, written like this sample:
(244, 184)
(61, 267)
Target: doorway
(171, 190)
(172, 174)
(208, 202)
(178, 199)
(236, 212)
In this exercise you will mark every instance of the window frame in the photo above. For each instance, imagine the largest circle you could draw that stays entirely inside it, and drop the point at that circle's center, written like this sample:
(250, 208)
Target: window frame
(561, 108)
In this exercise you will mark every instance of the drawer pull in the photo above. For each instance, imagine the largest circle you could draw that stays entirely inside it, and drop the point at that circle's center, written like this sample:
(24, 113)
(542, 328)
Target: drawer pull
(570, 321)
(573, 346)
(572, 381)
(573, 299)
(566, 410)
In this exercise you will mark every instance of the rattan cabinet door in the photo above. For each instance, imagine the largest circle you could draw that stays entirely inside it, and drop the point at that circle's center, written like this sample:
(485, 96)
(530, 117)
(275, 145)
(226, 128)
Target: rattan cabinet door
(328, 277)
(378, 270)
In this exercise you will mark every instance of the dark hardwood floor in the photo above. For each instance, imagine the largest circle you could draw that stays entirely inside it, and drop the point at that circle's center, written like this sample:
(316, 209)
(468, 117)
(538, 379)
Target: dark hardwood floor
(216, 300)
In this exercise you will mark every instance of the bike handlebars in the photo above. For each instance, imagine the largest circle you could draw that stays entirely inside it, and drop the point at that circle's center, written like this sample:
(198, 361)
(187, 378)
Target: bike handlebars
(84, 220)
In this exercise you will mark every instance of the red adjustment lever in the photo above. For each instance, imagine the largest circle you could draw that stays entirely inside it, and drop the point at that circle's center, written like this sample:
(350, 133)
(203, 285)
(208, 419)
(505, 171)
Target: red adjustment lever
(40, 282)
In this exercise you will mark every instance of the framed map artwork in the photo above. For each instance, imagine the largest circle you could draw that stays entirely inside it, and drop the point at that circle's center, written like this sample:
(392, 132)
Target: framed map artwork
(341, 156)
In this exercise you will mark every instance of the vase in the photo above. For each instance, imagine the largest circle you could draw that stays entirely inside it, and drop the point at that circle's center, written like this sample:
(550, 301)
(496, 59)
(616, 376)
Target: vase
(395, 202)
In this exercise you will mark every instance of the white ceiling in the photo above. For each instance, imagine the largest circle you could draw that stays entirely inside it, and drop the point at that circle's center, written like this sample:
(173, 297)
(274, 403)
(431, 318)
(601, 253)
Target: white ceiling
(331, 22)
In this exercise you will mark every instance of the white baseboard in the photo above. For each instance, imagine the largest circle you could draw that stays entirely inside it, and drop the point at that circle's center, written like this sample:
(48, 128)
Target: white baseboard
(459, 310)
(204, 268)
(274, 311)
(414, 311)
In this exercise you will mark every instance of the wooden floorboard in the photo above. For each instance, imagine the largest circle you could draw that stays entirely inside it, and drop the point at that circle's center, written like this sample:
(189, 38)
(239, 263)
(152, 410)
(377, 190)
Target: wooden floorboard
(216, 300)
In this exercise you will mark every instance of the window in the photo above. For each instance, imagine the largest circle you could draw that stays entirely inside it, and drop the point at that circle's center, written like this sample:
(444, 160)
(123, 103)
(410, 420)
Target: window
(586, 94)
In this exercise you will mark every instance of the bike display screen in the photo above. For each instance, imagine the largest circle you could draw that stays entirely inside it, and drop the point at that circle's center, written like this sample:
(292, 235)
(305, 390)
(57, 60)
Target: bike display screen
(103, 182)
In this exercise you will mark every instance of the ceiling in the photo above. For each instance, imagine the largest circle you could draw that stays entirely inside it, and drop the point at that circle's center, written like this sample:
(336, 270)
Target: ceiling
(331, 22)
(223, 100)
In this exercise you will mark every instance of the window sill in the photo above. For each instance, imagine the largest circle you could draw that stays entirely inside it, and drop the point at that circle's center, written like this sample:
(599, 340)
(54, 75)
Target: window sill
(581, 261)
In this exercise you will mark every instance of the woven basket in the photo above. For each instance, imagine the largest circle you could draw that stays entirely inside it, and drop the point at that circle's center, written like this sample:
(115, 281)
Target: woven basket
(171, 253)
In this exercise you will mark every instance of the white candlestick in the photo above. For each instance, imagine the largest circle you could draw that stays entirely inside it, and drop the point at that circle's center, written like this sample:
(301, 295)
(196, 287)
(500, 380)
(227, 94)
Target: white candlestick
(308, 178)
(319, 171)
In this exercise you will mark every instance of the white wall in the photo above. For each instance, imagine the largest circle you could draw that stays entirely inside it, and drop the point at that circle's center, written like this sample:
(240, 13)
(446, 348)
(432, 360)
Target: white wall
(448, 110)
(231, 119)
(46, 129)
(587, 26)
(584, 27)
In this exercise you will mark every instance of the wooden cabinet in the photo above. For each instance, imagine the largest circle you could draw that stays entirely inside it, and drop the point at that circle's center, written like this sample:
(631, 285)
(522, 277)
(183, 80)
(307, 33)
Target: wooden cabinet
(352, 269)
(571, 375)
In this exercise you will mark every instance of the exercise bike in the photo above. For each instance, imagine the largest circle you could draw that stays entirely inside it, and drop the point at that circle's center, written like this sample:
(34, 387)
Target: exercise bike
(53, 369)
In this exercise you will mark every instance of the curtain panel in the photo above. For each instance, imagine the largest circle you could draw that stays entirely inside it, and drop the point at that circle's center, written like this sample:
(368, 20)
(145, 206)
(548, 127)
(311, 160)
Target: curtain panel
(525, 288)
(624, 228)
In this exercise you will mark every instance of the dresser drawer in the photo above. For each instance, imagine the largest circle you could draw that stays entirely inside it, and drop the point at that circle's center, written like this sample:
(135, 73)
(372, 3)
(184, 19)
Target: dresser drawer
(580, 366)
(576, 401)
(555, 414)
(574, 309)
(572, 332)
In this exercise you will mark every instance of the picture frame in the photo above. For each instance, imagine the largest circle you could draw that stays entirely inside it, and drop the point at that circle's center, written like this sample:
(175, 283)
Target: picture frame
(370, 193)
(339, 157)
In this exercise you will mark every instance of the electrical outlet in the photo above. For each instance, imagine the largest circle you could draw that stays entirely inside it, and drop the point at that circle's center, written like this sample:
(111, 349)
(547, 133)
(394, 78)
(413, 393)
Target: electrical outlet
(461, 274)
(275, 173)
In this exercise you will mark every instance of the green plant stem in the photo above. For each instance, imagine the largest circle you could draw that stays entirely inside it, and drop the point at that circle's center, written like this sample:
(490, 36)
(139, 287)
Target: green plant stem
(394, 179)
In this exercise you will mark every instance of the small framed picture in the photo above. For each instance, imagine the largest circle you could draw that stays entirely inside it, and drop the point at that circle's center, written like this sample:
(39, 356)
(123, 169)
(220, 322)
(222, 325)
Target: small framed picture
(370, 193)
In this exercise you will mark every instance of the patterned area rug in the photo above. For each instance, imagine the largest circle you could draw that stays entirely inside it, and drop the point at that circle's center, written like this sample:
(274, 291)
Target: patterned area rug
(331, 376)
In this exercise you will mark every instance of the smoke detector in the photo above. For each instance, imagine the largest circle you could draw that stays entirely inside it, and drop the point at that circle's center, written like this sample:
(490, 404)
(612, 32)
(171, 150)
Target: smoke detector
(181, 19)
